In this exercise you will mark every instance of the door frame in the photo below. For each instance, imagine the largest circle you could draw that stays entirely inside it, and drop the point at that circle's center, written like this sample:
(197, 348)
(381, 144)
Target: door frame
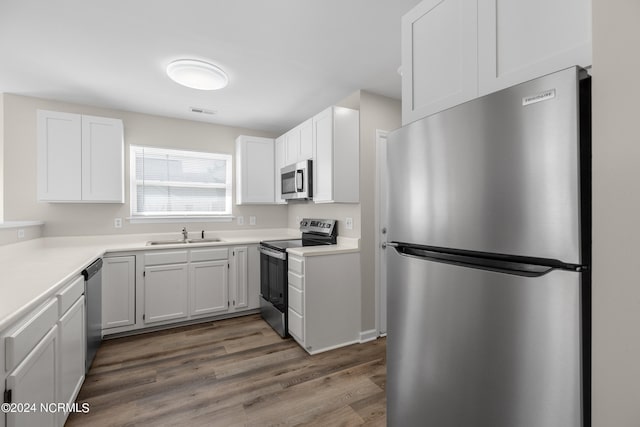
(380, 218)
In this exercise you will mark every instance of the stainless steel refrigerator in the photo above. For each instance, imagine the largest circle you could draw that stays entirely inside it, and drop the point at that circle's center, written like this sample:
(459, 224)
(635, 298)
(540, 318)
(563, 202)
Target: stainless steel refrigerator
(488, 261)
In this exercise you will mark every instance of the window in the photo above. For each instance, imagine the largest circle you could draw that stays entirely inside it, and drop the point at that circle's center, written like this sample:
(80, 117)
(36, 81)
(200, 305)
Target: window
(172, 183)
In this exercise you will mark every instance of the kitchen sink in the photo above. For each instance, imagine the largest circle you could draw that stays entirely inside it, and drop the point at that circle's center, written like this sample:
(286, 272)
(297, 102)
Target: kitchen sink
(211, 240)
(182, 242)
(165, 242)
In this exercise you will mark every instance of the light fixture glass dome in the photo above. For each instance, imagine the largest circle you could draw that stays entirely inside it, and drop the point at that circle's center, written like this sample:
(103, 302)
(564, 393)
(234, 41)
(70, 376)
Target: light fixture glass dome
(197, 74)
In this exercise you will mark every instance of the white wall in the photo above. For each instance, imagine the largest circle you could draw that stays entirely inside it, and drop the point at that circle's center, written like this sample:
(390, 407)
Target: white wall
(376, 112)
(616, 214)
(140, 129)
(339, 211)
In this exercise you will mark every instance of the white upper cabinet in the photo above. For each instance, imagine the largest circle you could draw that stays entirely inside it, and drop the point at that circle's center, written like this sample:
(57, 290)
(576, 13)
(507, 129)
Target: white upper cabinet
(336, 160)
(255, 181)
(299, 143)
(439, 57)
(80, 158)
(280, 163)
(456, 50)
(59, 156)
(102, 159)
(519, 41)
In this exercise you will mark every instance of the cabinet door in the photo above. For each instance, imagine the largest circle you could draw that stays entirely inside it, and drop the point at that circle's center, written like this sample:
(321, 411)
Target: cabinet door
(519, 41)
(305, 151)
(72, 353)
(254, 170)
(34, 381)
(165, 292)
(439, 57)
(292, 146)
(59, 159)
(240, 280)
(253, 274)
(118, 291)
(280, 163)
(102, 159)
(209, 284)
(323, 156)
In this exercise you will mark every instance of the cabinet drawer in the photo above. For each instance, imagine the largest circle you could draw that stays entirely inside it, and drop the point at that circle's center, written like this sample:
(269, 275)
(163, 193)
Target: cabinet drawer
(25, 337)
(69, 295)
(296, 281)
(295, 300)
(296, 265)
(209, 254)
(165, 257)
(296, 325)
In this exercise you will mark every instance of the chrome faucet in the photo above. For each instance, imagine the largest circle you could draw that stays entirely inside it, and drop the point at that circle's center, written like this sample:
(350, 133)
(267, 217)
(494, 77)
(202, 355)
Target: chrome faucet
(185, 235)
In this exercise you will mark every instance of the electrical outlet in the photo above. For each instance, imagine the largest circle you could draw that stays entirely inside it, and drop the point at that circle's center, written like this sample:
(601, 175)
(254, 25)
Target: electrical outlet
(298, 219)
(240, 220)
(117, 222)
(349, 224)
(252, 220)
(20, 233)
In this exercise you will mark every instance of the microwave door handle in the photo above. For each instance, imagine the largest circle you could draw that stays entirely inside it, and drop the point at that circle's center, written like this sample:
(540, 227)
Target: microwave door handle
(299, 180)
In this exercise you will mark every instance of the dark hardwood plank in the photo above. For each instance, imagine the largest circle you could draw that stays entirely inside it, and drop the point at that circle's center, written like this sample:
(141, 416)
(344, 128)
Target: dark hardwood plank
(233, 372)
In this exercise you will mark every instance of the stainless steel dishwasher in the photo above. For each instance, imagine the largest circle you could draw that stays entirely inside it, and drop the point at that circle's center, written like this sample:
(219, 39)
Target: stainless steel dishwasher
(93, 314)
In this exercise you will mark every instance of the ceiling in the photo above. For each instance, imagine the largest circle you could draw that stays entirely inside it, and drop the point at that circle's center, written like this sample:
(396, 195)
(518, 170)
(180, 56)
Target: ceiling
(286, 59)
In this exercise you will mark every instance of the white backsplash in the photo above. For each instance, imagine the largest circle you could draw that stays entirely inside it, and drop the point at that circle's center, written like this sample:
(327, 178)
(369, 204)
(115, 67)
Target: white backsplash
(338, 211)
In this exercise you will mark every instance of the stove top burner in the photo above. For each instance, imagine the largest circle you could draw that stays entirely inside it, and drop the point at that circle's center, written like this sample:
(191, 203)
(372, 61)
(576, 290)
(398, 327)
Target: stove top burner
(315, 232)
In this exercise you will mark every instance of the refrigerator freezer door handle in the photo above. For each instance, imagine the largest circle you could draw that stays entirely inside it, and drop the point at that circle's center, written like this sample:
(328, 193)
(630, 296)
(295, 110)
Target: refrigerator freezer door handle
(479, 262)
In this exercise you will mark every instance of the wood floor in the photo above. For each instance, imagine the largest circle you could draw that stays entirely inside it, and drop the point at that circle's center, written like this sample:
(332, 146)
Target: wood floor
(235, 372)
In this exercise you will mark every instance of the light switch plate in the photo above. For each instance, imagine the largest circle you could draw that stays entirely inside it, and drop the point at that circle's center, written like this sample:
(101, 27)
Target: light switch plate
(252, 220)
(349, 224)
(240, 220)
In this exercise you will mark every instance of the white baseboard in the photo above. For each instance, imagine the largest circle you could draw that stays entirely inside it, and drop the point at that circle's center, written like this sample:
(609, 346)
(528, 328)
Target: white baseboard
(370, 335)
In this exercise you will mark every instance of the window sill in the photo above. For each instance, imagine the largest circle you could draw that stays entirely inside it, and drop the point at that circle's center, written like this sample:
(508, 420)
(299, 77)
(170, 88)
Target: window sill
(178, 219)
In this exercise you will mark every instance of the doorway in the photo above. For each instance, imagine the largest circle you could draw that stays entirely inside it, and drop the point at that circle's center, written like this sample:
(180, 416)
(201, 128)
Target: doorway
(381, 231)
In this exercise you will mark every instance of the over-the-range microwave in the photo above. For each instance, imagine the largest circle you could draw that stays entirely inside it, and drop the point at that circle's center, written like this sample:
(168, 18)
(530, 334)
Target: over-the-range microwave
(297, 181)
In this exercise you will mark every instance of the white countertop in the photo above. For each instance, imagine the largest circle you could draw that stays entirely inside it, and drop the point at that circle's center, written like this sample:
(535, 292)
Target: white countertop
(33, 271)
(345, 245)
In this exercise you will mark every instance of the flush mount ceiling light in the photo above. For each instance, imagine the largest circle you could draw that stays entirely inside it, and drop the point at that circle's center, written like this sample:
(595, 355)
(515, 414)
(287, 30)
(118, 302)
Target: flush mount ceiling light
(197, 74)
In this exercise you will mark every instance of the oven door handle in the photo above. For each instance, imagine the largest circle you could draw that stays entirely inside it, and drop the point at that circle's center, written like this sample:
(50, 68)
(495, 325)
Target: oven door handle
(272, 253)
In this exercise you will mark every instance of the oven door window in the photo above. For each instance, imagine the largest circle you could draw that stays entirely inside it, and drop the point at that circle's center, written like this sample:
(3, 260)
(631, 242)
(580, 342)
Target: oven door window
(277, 282)
(273, 281)
(289, 182)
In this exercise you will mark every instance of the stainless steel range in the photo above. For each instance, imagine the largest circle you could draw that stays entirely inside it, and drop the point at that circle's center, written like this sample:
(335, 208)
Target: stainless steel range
(273, 268)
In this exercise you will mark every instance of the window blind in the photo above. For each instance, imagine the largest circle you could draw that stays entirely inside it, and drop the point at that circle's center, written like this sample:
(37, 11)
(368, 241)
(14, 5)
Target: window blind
(167, 182)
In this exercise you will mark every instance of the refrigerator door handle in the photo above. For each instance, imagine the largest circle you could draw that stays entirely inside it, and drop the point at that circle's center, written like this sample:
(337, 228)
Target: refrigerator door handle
(509, 265)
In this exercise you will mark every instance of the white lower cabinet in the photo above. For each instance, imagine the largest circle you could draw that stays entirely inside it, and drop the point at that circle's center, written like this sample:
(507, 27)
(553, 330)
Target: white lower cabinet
(72, 354)
(165, 292)
(44, 357)
(118, 291)
(209, 283)
(239, 278)
(182, 285)
(324, 301)
(34, 382)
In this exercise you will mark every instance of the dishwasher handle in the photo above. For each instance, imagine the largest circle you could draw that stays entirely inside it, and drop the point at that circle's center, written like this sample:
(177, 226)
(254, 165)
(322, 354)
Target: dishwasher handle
(92, 270)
